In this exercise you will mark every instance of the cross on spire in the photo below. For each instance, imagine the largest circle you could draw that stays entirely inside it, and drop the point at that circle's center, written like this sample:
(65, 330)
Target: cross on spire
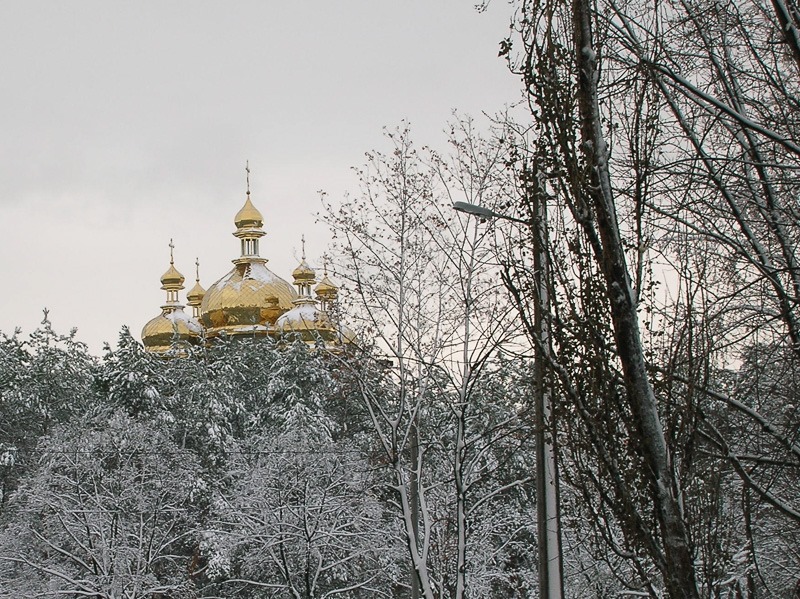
(197, 269)
(247, 169)
(171, 247)
(303, 241)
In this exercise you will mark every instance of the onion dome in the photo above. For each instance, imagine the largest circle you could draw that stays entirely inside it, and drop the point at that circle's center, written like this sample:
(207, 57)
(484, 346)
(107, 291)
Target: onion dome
(308, 323)
(244, 300)
(326, 289)
(172, 278)
(304, 272)
(327, 292)
(195, 295)
(248, 216)
(172, 330)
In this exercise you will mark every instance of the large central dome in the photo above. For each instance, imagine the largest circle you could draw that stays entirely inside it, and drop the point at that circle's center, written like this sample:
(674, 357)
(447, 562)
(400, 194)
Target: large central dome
(250, 298)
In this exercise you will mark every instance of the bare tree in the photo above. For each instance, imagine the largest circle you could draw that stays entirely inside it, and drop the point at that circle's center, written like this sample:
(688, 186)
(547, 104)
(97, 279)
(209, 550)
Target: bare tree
(424, 287)
(666, 132)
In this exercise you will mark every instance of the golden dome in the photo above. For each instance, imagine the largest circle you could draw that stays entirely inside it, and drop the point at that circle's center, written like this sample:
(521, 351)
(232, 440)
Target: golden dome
(248, 216)
(195, 294)
(243, 301)
(308, 323)
(304, 272)
(172, 278)
(326, 289)
(172, 329)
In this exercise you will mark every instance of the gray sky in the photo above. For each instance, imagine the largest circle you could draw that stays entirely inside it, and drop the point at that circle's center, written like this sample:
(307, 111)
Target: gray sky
(123, 124)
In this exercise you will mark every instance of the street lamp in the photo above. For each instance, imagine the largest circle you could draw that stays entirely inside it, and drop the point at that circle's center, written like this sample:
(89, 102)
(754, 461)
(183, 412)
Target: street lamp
(551, 573)
(485, 213)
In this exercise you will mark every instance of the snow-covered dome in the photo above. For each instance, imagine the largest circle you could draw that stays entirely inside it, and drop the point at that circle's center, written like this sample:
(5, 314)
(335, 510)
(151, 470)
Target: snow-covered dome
(307, 322)
(172, 329)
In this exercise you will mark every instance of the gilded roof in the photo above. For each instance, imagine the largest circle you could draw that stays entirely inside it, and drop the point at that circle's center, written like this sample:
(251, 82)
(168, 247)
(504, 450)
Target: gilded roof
(172, 278)
(326, 288)
(248, 216)
(304, 272)
(245, 297)
(171, 325)
(195, 294)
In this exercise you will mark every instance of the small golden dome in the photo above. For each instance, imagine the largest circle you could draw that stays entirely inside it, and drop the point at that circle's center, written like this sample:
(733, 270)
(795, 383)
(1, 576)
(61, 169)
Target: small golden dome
(326, 289)
(196, 293)
(172, 278)
(248, 216)
(170, 330)
(304, 272)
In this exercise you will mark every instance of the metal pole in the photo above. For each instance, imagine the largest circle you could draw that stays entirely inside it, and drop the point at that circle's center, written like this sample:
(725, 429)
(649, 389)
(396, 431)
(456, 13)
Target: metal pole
(548, 515)
(551, 584)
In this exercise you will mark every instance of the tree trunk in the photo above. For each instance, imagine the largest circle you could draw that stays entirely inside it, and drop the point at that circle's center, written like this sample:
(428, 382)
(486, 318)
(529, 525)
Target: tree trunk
(678, 567)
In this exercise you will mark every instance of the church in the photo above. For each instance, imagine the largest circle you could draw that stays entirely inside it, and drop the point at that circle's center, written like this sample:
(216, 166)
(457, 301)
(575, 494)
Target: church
(249, 301)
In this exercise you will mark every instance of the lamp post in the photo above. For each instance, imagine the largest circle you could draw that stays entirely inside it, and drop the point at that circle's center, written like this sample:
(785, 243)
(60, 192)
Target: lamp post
(551, 573)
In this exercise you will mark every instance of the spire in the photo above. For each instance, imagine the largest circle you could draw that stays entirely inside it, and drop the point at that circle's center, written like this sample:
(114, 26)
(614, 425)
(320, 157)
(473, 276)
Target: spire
(172, 280)
(195, 296)
(327, 292)
(248, 223)
(304, 275)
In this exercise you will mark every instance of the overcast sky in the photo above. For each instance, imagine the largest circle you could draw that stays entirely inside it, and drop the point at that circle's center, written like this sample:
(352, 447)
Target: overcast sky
(123, 124)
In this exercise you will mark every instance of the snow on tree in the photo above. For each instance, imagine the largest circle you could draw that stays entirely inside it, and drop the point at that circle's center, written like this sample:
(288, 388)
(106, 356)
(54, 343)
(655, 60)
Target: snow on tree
(302, 517)
(424, 288)
(108, 514)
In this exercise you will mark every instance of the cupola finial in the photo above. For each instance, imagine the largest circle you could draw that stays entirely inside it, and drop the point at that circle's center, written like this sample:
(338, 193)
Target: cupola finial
(247, 170)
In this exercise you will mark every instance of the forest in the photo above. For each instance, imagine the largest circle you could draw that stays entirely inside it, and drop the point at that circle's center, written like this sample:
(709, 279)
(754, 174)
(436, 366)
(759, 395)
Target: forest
(627, 295)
